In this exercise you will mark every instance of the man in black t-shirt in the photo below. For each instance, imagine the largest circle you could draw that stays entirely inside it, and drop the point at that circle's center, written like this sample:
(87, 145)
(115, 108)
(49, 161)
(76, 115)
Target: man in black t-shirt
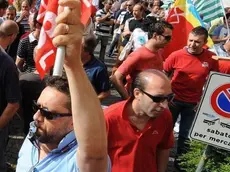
(133, 23)
(9, 86)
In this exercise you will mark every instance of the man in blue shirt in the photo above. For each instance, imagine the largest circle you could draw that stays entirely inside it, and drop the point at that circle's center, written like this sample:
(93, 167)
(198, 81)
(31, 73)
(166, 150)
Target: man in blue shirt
(94, 68)
(65, 109)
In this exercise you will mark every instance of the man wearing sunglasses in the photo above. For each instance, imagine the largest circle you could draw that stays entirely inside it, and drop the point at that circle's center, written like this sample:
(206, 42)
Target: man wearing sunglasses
(71, 132)
(140, 129)
(145, 57)
(189, 68)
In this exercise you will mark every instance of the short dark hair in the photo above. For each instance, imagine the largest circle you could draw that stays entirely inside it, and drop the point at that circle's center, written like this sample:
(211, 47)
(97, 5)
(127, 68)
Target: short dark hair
(199, 30)
(145, 3)
(35, 21)
(3, 4)
(147, 22)
(11, 8)
(90, 43)
(141, 6)
(61, 84)
(158, 28)
(138, 82)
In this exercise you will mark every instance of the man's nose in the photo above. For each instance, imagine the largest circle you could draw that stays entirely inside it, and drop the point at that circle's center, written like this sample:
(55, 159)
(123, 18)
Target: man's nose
(164, 104)
(37, 116)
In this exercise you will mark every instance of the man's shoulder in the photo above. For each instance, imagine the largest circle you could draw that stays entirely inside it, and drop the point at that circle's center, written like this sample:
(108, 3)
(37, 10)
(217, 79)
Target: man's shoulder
(25, 39)
(208, 53)
(96, 64)
(114, 110)
(6, 60)
(100, 12)
(218, 30)
(178, 53)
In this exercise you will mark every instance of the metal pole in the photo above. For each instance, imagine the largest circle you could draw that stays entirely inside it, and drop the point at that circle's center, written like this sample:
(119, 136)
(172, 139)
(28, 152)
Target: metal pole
(204, 158)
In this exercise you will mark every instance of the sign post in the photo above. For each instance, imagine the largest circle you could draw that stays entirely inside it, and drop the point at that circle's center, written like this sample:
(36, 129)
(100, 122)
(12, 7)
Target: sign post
(212, 122)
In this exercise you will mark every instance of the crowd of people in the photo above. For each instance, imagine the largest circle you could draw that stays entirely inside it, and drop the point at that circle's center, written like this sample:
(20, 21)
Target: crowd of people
(64, 124)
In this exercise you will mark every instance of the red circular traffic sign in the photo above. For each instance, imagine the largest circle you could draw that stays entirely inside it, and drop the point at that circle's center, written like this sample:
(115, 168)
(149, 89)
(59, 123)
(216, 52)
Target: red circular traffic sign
(220, 100)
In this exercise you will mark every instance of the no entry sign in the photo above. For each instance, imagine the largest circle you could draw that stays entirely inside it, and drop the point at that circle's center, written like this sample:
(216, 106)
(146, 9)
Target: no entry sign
(212, 122)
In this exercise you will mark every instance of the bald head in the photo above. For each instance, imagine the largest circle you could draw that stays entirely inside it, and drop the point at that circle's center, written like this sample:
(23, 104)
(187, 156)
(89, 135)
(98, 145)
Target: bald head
(151, 78)
(8, 28)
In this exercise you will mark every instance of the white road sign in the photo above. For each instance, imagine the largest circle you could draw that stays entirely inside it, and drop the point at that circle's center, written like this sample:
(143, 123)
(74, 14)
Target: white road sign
(212, 122)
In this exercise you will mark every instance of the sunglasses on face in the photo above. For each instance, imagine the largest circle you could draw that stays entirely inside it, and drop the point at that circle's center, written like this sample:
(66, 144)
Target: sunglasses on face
(47, 114)
(167, 38)
(129, 5)
(159, 99)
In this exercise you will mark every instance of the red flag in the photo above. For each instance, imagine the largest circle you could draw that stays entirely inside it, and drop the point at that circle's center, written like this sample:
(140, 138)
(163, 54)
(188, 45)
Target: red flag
(46, 52)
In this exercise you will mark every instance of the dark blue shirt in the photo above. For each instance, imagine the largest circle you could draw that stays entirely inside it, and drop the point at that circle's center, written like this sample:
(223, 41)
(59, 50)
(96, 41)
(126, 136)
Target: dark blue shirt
(98, 75)
(9, 82)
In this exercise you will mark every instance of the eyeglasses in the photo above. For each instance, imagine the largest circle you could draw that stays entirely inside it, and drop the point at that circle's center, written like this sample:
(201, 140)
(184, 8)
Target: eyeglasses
(129, 5)
(158, 99)
(167, 38)
(47, 114)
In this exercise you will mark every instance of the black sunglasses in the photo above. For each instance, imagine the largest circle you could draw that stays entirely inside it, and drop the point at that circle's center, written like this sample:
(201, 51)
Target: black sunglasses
(158, 99)
(47, 114)
(129, 5)
(167, 38)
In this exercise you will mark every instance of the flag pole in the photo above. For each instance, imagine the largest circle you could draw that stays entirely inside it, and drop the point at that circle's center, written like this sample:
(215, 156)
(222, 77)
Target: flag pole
(59, 60)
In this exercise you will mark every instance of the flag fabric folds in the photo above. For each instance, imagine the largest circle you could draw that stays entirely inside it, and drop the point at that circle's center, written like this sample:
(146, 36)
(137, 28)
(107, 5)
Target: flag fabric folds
(209, 10)
(184, 17)
(46, 52)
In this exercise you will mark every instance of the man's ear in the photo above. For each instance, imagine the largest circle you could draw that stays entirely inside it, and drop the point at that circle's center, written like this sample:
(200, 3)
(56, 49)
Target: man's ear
(154, 35)
(136, 93)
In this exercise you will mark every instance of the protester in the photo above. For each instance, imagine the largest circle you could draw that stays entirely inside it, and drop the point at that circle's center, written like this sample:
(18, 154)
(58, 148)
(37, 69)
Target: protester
(223, 57)
(25, 61)
(9, 86)
(189, 68)
(94, 68)
(146, 57)
(104, 22)
(65, 109)
(12, 48)
(3, 6)
(23, 16)
(118, 27)
(132, 23)
(223, 50)
(220, 34)
(140, 129)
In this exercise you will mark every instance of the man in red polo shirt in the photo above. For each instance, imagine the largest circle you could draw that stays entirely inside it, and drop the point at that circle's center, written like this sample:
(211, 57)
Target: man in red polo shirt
(140, 129)
(146, 57)
(190, 67)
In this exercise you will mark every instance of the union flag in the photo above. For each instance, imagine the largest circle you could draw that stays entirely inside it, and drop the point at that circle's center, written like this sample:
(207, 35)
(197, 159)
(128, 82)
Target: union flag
(46, 52)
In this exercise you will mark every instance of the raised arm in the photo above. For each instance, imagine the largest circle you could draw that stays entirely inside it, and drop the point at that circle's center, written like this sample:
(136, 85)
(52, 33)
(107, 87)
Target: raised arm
(88, 118)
